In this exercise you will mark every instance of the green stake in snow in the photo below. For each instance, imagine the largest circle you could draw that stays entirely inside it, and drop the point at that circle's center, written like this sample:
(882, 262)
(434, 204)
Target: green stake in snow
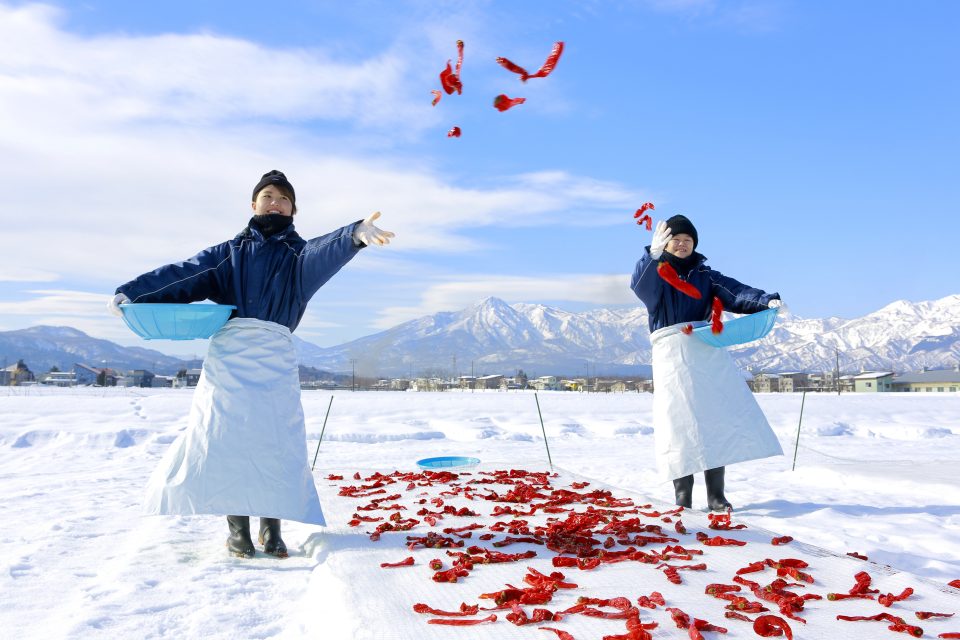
(322, 429)
(544, 430)
(796, 445)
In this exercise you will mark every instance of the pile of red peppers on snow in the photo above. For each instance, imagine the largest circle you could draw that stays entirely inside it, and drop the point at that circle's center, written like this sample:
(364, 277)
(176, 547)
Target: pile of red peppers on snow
(583, 531)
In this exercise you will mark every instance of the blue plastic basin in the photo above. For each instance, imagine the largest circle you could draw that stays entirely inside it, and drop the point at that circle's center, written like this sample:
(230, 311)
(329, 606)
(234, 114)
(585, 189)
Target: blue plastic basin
(155, 321)
(447, 462)
(739, 330)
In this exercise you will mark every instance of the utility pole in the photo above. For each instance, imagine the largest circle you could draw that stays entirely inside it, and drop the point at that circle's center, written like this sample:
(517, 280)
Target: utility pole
(353, 384)
(837, 351)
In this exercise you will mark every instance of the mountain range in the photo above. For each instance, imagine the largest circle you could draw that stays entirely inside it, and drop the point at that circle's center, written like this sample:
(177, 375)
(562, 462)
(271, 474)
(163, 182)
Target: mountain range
(493, 337)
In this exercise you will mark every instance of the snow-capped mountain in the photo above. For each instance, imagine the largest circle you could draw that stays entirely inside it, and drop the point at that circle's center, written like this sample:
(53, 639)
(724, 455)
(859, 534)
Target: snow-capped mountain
(495, 337)
(43, 347)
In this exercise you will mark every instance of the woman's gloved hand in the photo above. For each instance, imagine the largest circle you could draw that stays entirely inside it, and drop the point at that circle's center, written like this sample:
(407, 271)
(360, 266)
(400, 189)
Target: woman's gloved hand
(113, 305)
(775, 304)
(661, 236)
(367, 233)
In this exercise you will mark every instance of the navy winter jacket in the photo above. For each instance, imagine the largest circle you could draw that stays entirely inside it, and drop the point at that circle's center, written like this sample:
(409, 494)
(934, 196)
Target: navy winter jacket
(269, 279)
(666, 306)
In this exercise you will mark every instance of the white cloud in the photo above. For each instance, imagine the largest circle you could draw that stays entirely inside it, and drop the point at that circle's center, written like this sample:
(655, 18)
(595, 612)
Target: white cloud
(452, 295)
(133, 152)
(26, 274)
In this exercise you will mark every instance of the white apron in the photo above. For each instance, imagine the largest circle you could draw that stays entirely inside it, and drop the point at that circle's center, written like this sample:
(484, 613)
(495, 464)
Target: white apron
(244, 451)
(704, 415)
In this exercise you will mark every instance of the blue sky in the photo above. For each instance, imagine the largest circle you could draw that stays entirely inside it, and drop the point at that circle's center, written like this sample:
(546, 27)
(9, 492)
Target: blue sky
(813, 143)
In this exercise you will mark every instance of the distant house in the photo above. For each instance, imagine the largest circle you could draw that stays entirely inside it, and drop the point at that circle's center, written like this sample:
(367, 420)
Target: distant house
(85, 375)
(873, 381)
(546, 383)
(59, 379)
(943, 381)
(766, 383)
(16, 374)
(140, 378)
(489, 382)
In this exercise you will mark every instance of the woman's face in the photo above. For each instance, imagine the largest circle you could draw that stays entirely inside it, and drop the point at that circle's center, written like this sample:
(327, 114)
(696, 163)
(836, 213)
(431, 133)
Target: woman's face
(680, 245)
(271, 200)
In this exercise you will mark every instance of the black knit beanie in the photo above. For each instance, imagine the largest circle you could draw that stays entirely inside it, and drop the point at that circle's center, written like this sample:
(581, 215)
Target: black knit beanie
(680, 224)
(277, 178)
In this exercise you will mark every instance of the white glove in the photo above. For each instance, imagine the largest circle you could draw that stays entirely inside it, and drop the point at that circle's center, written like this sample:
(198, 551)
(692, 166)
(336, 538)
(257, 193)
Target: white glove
(775, 304)
(366, 233)
(661, 236)
(113, 306)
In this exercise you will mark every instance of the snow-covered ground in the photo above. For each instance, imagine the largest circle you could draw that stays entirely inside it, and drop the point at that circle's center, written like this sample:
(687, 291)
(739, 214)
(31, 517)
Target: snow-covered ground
(875, 474)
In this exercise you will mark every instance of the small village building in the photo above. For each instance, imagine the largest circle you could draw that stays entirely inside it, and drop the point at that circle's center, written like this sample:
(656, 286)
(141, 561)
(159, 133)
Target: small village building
(16, 374)
(938, 381)
(59, 379)
(873, 381)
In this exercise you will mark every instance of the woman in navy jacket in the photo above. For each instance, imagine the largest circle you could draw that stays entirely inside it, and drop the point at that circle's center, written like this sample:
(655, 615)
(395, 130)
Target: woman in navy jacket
(704, 415)
(244, 450)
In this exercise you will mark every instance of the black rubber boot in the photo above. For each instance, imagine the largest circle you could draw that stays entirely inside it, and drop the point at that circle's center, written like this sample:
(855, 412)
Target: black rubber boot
(683, 489)
(715, 499)
(239, 543)
(270, 537)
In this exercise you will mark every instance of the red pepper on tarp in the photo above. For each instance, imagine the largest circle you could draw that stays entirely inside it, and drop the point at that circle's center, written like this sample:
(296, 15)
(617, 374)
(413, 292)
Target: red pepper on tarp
(502, 102)
(897, 623)
(406, 562)
(858, 556)
(733, 615)
(454, 132)
(463, 623)
(465, 610)
(888, 599)
(669, 275)
(716, 322)
(950, 635)
(924, 615)
(561, 635)
(687, 330)
(645, 217)
(955, 584)
(651, 601)
(769, 626)
(781, 540)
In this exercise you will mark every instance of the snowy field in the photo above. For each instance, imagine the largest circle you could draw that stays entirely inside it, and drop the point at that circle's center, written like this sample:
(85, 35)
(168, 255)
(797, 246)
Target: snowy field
(875, 474)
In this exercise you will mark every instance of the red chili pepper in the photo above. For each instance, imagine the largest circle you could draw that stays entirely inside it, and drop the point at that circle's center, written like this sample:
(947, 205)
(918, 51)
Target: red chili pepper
(768, 626)
(334, 477)
(888, 599)
(717, 541)
(406, 562)
(781, 540)
(858, 556)
(459, 57)
(716, 323)
(687, 330)
(733, 615)
(454, 132)
(955, 584)
(644, 218)
(502, 102)
(669, 274)
(511, 66)
(924, 615)
(463, 623)
(436, 97)
(950, 635)
(548, 65)
(450, 79)
(436, 564)
(561, 635)
(465, 610)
